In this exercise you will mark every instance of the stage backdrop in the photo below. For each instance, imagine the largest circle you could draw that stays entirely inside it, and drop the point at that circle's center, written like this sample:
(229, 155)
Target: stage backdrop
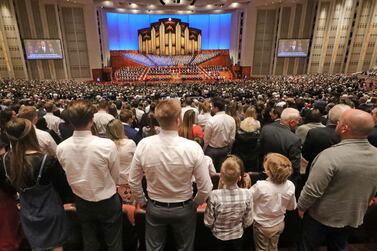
(123, 29)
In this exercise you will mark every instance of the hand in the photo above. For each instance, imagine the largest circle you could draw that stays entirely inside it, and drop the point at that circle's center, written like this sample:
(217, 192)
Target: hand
(301, 213)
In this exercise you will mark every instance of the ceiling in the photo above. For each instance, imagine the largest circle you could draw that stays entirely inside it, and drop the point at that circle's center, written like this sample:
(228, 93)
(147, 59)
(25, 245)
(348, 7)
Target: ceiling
(172, 6)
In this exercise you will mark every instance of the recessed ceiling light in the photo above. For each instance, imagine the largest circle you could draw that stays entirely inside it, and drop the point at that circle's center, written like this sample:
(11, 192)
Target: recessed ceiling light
(107, 3)
(209, 6)
(234, 5)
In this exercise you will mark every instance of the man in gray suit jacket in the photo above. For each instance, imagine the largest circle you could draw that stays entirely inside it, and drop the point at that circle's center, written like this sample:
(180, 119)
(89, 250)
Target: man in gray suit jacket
(340, 186)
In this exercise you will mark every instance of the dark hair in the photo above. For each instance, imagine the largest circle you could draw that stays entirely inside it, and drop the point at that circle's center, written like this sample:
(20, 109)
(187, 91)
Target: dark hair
(22, 137)
(104, 105)
(49, 106)
(125, 115)
(219, 103)
(80, 113)
(65, 116)
(313, 116)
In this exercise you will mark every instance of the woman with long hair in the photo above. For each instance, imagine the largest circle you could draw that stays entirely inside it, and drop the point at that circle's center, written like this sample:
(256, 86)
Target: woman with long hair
(189, 129)
(126, 148)
(37, 178)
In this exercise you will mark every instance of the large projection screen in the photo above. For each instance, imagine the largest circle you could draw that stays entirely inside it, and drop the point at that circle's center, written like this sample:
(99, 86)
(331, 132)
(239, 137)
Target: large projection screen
(123, 28)
(43, 49)
(293, 47)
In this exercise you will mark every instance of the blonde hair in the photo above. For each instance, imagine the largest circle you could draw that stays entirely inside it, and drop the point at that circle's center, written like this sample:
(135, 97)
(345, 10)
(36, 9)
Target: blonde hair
(187, 124)
(251, 112)
(115, 131)
(277, 167)
(206, 106)
(230, 171)
(167, 111)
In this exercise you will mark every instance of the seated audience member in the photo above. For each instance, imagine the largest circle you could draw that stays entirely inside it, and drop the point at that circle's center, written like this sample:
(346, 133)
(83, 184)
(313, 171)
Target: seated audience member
(42, 125)
(205, 114)
(372, 138)
(112, 110)
(189, 129)
(102, 117)
(168, 163)
(46, 143)
(144, 121)
(38, 178)
(229, 209)
(341, 184)
(66, 129)
(91, 164)
(312, 120)
(126, 148)
(126, 116)
(271, 198)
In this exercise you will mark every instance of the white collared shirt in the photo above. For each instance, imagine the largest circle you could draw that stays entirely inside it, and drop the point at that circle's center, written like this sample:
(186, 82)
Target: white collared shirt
(101, 119)
(188, 107)
(53, 122)
(168, 163)
(203, 119)
(271, 201)
(220, 131)
(91, 164)
(126, 149)
(46, 142)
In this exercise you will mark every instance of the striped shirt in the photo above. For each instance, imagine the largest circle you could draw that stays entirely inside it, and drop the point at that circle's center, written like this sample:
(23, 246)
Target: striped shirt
(229, 211)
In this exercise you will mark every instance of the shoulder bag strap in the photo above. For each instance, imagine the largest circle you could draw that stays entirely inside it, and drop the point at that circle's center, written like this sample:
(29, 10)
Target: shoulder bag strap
(41, 169)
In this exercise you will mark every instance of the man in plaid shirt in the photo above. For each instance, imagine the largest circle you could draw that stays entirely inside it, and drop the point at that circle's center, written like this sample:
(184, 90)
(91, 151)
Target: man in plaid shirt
(230, 209)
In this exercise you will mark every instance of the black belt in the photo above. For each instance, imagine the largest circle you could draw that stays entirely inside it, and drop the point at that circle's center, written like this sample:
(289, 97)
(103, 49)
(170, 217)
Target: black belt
(170, 204)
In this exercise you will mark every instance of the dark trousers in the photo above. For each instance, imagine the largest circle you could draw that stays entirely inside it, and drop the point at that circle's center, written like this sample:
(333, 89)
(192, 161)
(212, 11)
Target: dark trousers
(314, 234)
(218, 155)
(182, 221)
(102, 218)
(230, 245)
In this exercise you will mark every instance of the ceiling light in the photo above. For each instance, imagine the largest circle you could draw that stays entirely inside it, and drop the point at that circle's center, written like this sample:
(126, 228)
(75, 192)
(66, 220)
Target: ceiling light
(209, 6)
(107, 3)
(133, 5)
(234, 5)
(120, 9)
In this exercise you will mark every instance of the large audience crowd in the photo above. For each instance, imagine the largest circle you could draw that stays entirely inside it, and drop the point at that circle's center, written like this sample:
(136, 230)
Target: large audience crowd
(312, 138)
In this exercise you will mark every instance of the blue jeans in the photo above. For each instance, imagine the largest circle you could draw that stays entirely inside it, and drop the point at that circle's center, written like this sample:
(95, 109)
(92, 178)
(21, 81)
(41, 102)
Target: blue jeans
(314, 234)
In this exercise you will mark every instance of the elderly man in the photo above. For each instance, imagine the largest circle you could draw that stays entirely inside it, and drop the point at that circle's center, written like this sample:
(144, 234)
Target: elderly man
(342, 182)
(279, 138)
(169, 162)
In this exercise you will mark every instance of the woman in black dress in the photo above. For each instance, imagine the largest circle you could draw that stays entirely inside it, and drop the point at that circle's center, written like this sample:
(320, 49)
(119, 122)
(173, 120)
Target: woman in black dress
(37, 178)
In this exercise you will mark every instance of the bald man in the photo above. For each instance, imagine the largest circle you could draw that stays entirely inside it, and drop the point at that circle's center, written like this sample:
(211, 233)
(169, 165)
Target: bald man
(342, 182)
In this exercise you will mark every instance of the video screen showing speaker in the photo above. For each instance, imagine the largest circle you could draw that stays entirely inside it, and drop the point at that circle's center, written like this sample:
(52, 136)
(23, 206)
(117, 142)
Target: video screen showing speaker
(43, 49)
(293, 47)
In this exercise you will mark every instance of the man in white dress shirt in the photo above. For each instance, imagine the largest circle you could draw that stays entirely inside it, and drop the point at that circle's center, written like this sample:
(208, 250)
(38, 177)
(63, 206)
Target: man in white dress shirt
(91, 164)
(169, 162)
(45, 140)
(102, 118)
(219, 133)
(189, 106)
(52, 121)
